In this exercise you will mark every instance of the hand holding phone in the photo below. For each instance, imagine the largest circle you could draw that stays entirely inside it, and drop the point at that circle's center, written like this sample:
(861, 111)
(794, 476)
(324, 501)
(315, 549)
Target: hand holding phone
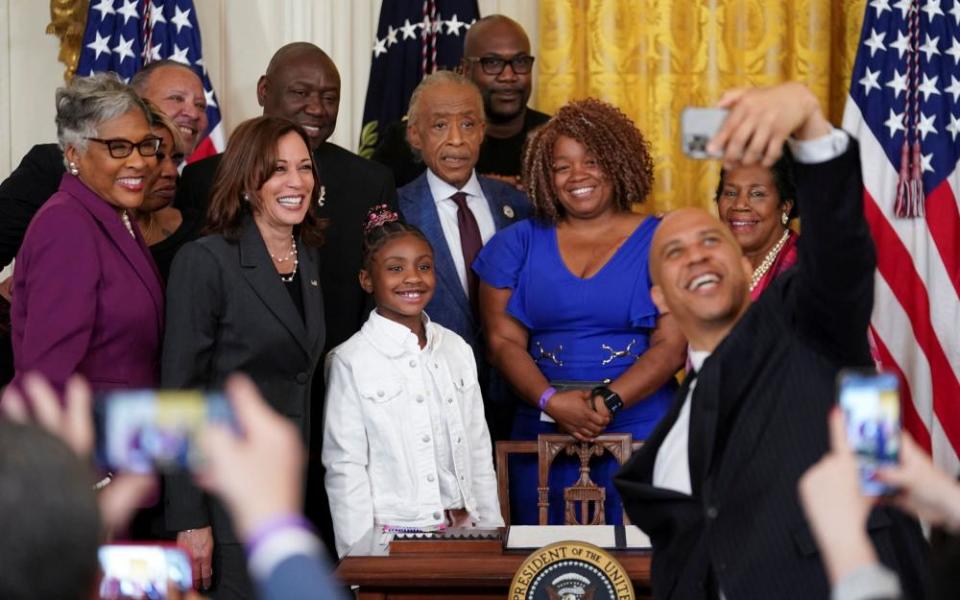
(698, 126)
(871, 406)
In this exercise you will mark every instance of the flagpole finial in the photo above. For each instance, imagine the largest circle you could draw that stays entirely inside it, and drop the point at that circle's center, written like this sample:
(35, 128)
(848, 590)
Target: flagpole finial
(68, 19)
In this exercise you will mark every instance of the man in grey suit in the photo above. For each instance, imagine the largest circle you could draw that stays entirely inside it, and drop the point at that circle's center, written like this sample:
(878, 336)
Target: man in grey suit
(458, 212)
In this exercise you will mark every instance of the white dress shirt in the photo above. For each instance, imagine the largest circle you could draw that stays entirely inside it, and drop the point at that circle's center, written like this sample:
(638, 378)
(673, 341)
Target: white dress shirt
(671, 469)
(447, 211)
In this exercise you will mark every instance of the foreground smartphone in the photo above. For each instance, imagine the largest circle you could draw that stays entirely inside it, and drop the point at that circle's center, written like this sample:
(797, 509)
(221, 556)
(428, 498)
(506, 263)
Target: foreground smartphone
(144, 431)
(697, 126)
(871, 405)
(139, 571)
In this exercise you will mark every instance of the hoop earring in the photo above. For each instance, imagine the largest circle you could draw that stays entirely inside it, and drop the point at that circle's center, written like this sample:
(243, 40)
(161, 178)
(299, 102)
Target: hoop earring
(73, 169)
(784, 219)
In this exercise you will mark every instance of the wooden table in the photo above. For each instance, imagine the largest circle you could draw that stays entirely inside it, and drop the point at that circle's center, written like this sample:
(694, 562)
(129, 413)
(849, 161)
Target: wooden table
(454, 573)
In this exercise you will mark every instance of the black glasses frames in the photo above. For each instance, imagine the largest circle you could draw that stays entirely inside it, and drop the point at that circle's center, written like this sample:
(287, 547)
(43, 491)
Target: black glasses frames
(121, 148)
(494, 65)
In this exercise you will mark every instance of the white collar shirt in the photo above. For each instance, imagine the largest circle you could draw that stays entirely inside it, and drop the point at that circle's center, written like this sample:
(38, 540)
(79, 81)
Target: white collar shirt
(447, 211)
(671, 469)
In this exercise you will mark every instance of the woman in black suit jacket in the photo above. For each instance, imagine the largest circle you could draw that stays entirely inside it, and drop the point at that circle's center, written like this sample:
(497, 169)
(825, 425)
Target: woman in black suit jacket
(246, 298)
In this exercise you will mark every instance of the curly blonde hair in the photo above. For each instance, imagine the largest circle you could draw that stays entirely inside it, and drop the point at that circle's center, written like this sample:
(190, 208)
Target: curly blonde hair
(608, 134)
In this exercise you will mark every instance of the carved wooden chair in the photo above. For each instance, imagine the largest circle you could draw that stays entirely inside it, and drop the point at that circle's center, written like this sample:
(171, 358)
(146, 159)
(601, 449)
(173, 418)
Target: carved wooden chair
(581, 499)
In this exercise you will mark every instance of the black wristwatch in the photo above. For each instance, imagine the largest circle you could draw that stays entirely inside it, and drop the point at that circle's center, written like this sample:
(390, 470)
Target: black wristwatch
(611, 399)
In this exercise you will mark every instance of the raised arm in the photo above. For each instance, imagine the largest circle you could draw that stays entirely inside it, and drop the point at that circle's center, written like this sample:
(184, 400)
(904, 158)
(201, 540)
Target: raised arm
(834, 284)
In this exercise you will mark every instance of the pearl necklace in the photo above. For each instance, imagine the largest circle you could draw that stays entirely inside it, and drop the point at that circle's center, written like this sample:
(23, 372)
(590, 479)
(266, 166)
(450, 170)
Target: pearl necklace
(291, 253)
(771, 256)
(126, 223)
(296, 261)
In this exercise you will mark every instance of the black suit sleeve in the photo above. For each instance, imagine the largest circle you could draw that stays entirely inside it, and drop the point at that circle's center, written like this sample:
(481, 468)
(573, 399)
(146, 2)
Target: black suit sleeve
(194, 298)
(24, 192)
(834, 295)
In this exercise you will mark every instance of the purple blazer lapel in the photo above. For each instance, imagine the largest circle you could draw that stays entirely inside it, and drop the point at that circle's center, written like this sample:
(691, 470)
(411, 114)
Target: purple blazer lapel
(133, 249)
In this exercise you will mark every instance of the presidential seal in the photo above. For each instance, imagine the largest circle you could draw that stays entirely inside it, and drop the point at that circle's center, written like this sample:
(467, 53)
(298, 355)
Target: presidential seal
(571, 571)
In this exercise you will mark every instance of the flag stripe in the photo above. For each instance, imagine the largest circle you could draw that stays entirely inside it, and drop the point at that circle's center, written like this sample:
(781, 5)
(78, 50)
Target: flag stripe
(911, 418)
(943, 220)
(895, 265)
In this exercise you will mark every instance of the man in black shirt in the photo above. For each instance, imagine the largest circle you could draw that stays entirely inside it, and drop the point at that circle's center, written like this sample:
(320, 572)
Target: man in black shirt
(496, 56)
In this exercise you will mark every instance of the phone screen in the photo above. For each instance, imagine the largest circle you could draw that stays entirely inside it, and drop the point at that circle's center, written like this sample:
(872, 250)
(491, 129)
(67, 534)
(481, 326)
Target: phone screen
(697, 126)
(142, 571)
(143, 431)
(871, 405)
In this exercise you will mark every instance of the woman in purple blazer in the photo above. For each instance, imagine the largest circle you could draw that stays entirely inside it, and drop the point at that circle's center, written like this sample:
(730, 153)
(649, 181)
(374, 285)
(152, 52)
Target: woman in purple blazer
(87, 297)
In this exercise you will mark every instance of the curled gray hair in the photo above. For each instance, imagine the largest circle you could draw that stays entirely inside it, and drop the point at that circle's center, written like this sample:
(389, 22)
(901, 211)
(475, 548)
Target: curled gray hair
(434, 79)
(89, 101)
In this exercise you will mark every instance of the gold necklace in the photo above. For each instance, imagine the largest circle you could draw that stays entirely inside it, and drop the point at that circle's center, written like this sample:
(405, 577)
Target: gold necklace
(771, 256)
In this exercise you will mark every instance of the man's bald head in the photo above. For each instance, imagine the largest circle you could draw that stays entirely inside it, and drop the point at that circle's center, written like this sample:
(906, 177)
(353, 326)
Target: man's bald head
(475, 42)
(302, 84)
(505, 94)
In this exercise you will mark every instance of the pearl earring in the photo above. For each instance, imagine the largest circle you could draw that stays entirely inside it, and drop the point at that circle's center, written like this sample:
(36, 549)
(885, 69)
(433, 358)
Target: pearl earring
(784, 218)
(246, 197)
(73, 169)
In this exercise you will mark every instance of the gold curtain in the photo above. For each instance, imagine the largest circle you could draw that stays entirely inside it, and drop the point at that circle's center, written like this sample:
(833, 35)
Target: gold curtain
(652, 58)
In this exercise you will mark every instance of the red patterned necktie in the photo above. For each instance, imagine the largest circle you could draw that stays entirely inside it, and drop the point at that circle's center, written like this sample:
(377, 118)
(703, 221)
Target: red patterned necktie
(470, 244)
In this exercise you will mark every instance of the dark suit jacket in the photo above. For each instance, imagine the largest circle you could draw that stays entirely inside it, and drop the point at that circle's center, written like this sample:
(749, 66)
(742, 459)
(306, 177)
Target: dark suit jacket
(759, 420)
(24, 192)
(87, 298)
(228, 311)
(450, 306)
(352, 186)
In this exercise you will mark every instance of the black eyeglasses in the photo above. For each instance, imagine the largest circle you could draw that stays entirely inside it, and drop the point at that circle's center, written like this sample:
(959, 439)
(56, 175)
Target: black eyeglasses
(121, 148)
(176, 158)
(494, 65)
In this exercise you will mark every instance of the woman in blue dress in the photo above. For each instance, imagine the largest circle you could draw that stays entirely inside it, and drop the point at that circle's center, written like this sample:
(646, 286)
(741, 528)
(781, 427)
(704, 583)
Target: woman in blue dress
(565, 299)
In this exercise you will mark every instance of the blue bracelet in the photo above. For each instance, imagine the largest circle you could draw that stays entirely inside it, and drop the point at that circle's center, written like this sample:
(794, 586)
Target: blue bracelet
(545, 396)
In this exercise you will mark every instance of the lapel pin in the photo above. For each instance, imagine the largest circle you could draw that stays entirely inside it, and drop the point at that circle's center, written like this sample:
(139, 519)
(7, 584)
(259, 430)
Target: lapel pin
(314, 283)
(323, 196)
(508, 211)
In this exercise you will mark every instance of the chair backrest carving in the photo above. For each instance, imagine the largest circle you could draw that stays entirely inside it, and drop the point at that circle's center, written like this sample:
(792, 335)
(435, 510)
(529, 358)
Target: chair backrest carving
(584, 500)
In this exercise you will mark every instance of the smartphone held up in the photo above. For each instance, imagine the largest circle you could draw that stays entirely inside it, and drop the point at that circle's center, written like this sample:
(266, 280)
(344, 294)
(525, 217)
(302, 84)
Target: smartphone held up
(871, 406)
(146, 431)
(698, 125)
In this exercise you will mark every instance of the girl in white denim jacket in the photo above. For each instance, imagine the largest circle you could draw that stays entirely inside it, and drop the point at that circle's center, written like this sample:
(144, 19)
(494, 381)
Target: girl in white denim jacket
(405, 443)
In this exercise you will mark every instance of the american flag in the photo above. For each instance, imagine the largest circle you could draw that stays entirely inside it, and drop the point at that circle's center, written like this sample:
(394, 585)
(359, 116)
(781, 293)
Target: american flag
(124, 35)
(904, 108)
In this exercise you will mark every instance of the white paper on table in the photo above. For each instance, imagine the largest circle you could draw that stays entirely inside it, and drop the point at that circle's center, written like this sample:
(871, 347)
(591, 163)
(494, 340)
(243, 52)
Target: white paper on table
(538, 536)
